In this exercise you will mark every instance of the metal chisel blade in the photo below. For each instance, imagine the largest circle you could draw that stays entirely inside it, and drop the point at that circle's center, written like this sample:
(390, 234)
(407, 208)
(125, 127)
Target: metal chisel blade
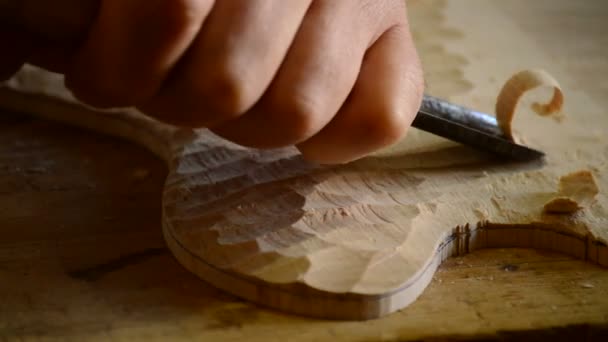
(471, 128)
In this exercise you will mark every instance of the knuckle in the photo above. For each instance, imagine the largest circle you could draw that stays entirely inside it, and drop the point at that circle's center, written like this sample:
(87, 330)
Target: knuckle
(226, 92)
(208, 101)
(387, 126)
(298, 118)
(179, 15)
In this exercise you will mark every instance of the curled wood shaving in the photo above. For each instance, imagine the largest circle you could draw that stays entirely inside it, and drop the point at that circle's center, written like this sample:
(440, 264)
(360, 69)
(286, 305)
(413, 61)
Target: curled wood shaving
(515, 88)
(576, 190)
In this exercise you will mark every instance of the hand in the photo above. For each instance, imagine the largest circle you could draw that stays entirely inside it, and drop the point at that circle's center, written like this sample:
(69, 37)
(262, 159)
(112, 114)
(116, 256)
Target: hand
(337, 78)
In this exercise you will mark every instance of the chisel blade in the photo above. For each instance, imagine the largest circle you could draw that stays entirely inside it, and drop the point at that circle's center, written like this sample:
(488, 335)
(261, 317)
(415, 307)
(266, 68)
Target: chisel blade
(471, 128)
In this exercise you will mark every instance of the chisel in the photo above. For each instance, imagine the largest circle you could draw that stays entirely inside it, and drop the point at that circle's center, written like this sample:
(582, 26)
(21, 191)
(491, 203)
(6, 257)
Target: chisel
(469, 127)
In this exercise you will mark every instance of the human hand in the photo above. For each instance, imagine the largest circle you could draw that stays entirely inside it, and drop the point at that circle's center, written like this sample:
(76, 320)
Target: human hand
(337, 78)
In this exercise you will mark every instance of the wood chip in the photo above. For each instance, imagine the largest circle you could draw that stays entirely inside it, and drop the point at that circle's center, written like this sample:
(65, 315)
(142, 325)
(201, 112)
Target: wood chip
(516, 87)
(561, 205)
(579, 185)
(576, 190)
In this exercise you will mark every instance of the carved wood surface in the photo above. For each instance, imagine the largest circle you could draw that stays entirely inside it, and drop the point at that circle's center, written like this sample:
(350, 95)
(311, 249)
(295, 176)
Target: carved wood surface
(361, 240)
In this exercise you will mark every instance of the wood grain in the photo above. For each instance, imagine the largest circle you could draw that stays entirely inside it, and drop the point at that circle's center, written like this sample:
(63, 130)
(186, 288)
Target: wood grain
(105, 275)
(361, 240)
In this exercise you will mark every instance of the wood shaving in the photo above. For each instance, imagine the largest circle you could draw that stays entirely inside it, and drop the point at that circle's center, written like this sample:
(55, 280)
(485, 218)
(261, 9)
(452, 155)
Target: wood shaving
(576, 190)
(579, 185)
(516, 87)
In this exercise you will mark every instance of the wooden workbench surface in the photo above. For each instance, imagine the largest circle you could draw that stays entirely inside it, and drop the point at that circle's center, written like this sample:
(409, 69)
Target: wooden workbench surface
(82, 256)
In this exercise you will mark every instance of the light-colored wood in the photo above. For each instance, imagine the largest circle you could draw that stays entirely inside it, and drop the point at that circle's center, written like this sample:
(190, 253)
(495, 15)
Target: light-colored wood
(65, 195)
(75, 267)
(363, 240)
(516, 87)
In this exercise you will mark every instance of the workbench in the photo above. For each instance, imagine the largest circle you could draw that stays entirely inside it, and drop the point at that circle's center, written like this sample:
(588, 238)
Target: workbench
(82, 255)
